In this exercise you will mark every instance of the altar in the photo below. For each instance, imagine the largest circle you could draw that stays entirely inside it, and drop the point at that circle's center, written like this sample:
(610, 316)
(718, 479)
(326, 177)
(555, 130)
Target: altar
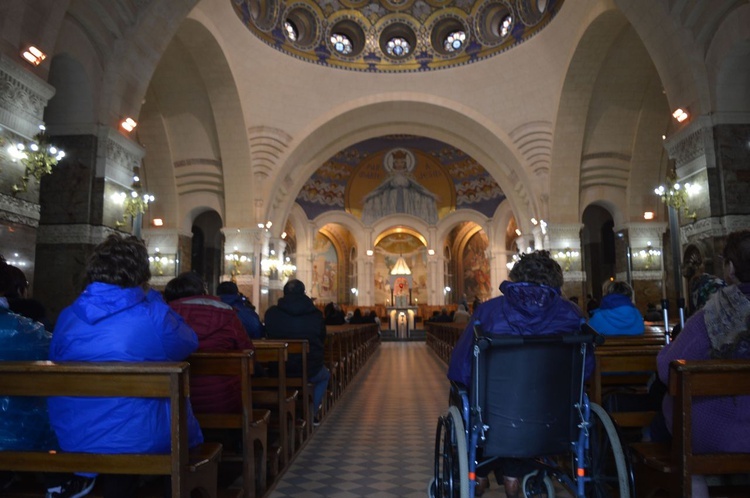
(401, 320)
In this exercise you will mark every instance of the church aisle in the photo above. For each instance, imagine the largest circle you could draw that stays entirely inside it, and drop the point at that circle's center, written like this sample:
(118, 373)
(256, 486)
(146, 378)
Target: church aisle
(379, 439)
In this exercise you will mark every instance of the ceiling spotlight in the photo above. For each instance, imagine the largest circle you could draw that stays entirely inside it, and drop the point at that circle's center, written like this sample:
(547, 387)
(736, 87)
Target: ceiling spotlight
(680, 115)
(33, 55)
(128, 124)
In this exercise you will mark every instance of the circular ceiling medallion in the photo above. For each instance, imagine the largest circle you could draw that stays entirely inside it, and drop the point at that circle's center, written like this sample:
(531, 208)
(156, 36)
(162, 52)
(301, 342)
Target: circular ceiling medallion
(394, 35)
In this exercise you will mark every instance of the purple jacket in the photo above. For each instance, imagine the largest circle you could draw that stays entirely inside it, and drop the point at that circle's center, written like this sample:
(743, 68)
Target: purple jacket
(719, 424)
(523, 309)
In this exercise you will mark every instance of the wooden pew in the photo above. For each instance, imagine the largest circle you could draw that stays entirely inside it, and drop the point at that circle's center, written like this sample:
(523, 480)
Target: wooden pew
(273, 393)
(620, 367)
(305, 408)
(670, 467)
(252, 423)
(189, 469)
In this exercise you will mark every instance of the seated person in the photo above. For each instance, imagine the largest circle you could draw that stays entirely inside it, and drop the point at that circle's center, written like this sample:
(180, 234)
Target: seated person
(357, 317)
(461, 315)
(218, 329)
(24, 424)
(653, 314)
(230, 294)
(19, 302)
(117, 318)
(443, 317)
(296, 317)
(720, 330)
(616, 314)
(531, 304)
(334, 315)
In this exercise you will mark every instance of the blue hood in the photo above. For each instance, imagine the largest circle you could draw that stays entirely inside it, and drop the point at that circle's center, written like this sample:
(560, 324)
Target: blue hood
(99, 301)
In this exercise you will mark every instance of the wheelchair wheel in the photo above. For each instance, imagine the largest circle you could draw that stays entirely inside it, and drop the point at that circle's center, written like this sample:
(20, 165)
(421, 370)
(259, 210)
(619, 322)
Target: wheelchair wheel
(451, 458)
(607, 466)
(538, 485)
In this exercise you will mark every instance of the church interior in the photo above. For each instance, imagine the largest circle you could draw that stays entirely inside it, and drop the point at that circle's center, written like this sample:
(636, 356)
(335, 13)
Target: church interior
(396, 156)
(252, 140)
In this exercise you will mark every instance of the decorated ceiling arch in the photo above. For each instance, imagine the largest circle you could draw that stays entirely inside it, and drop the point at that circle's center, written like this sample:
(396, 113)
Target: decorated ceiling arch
(400, 174)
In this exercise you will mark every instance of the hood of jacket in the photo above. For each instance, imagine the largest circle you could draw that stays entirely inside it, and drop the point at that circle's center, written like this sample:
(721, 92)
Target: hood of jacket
(207, 315)
(532, 308)
(100, 300)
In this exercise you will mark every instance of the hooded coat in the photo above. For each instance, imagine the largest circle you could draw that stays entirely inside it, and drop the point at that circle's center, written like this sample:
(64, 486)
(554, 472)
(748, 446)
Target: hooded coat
(296, 317)
(523, 309)
(617, 315)
(110, 323)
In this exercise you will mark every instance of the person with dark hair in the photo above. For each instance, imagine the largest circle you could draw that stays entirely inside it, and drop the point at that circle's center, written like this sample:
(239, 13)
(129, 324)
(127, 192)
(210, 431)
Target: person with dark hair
(357, 317)
(720, 330)
(296, 317)
(24, 423)
(616, 314)
(219, 329)
(531, 304)
(230, 294)
(117, 318)
(333, 314)
(591, 305)
(19, 302)
(443, 316)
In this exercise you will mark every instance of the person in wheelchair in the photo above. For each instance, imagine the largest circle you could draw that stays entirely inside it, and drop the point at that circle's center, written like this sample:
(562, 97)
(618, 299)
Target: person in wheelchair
(532, 304)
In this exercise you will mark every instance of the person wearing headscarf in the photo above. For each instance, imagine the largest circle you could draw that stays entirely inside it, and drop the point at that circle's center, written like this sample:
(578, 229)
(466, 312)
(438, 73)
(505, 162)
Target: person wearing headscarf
(721, 330)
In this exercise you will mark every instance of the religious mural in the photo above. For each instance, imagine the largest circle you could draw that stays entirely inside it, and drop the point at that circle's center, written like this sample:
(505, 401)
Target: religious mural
(476, 268)
(324, 284)
(400, 174)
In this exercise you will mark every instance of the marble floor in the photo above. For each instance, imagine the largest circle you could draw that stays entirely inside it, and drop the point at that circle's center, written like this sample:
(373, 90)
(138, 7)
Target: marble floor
(378, 441)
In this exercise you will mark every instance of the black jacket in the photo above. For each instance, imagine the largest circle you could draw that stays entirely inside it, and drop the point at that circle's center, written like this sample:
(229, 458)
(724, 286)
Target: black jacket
(296, 317)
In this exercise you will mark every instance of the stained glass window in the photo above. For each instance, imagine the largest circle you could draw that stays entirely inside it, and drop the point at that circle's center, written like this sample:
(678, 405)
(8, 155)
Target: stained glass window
(454, 41)
(341, 44)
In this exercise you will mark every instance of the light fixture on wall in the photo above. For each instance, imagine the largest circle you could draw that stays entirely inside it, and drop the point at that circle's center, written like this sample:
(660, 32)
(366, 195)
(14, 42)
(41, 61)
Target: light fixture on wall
(38, 158)
(162, 264)
(430, 252)
(676, 195)
(134, 203)
(648, 256)
(158, 222)
(648, 215)
(567, 256)
(369, 252)
(33, 55)
(238, 260)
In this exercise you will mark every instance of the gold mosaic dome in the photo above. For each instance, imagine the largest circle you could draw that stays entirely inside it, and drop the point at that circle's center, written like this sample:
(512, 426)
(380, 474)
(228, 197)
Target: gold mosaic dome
(394, 35)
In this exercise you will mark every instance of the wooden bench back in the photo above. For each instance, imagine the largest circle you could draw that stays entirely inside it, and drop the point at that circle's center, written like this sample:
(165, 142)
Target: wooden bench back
(144, 380)
(621, 367)
(687, 381)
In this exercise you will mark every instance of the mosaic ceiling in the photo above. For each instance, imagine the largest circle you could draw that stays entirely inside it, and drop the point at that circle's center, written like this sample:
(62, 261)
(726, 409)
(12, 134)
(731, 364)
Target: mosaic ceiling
(394, 35)
(400, 174)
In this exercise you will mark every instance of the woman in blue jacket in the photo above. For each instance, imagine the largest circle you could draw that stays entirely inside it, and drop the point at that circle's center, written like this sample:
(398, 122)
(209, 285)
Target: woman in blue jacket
(117, 318)
(617, 315)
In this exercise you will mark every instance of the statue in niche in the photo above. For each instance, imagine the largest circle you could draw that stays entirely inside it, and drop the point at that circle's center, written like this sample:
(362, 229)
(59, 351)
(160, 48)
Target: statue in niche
(400, 193)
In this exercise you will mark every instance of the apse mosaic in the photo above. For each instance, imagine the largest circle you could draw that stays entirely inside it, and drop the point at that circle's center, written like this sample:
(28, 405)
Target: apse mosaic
(400, 174)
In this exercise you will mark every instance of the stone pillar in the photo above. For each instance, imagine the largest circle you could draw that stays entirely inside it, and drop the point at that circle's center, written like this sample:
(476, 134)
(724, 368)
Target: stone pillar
(79, 206)
(565, 248)
(23, 97)
(713, 153)
(643, 241)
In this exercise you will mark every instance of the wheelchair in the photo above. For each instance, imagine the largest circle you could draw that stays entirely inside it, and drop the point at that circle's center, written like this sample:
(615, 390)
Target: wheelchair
(528, 402)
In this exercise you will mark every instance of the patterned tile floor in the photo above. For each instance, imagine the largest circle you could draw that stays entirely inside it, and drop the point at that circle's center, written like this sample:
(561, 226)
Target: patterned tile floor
(378, 441)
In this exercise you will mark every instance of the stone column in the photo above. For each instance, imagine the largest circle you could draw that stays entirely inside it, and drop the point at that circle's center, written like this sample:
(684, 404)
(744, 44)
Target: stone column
(79, 205)
(23, 97)
(713, 153)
